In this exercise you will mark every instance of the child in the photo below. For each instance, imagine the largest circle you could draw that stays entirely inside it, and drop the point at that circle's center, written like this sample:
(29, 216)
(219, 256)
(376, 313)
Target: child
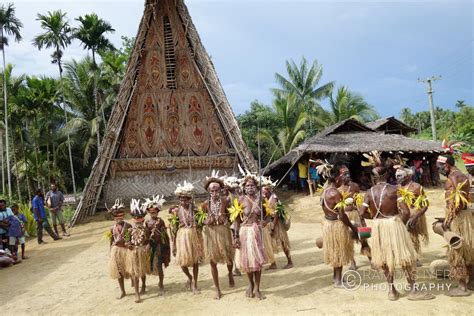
(17, 232)
(138, 263)
(159, 239)
(118, 250)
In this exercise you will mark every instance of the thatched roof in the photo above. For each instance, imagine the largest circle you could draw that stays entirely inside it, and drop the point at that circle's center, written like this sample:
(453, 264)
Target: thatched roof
(340, 139)
(390, 125)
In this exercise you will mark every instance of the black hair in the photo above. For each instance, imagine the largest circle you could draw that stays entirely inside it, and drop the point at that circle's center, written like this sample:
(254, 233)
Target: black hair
(14, 205)
(3, 201)
(450, 161)
(39, 190)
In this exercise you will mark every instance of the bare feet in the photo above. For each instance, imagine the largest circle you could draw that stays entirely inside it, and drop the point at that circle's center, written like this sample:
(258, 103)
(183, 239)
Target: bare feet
(188, 286)
(393, 296)
(122, 295)
(237, 272)
(142, 291)
(196, 290)
(161, 291)
(289, 265)
(231, 280)
(137, 299)
(218, 295)
(273, 266)
(455, 292)
(353, 266)
(259, 295)
(249, 292)
(420, 296)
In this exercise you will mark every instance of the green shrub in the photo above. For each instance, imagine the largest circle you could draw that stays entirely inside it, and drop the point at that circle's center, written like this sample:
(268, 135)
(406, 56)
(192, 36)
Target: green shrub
(68, 213)
(25, 209)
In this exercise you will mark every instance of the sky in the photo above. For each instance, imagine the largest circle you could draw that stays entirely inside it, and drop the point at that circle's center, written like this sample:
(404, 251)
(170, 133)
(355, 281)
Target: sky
(378, 49)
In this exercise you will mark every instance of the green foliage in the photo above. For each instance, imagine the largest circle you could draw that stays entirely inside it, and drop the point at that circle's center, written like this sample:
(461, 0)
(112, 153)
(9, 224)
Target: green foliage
(450, 125)
(68, 213)
(25, 209)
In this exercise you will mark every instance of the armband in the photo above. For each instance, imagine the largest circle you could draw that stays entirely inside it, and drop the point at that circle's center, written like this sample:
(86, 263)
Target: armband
(400, 199)
(365, 204)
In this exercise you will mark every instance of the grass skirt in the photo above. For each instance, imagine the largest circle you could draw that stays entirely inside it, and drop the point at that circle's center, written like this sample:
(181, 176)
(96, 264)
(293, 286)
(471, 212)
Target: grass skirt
(338, 246)
(160, 254)
(188, 247)
(460, 259)
(252, 255)
(280, 238)
(218, 244)
(420, 231)
(268, 243)
(117, 262)
(138, 262)
(391, 244)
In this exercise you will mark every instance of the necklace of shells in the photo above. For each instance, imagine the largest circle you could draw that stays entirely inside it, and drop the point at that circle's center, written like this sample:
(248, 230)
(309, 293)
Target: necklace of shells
(215, 210)
(188, 216)
(137, 235)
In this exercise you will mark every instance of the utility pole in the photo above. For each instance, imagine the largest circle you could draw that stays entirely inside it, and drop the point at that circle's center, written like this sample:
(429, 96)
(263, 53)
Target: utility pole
(428, 82)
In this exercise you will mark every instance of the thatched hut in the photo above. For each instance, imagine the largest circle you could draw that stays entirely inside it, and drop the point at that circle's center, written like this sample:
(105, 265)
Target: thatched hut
(391, 125)
(352, 138)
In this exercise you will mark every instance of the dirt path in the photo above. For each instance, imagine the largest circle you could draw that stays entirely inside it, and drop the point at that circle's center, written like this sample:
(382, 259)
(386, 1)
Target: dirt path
(70, 277)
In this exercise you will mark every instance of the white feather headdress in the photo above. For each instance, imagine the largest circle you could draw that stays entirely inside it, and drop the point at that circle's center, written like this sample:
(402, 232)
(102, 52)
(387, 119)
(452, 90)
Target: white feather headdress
(118, 205)
(324, 168)
(156, 201)
(267, 182)
(135, 208)
(214, 178)
(185, 189)
(231, 182)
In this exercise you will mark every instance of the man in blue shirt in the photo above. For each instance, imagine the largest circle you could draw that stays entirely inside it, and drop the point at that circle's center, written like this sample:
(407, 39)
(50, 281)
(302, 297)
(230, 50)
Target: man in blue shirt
(40, 217)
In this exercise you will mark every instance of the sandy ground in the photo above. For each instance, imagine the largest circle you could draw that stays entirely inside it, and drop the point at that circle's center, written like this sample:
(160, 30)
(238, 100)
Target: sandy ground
(70, 277)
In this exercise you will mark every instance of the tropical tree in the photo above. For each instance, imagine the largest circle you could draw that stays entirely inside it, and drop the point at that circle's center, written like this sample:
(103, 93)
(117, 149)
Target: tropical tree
(84, 124)
(91, 33)
(292, 132)
(303, 81)
(346, 104)
(9, 25)
(57, 35)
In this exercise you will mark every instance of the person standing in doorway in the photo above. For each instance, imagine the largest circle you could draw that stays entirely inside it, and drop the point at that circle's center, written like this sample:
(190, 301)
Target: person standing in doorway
(54, 201)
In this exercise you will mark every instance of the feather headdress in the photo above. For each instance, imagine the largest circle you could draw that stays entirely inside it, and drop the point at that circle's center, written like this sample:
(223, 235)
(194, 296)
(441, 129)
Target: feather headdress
(324, 168)
(374, 159)
(135, 208)
(267, 182)
(231, 182)
(214, 178)
(116, 208)
(185, 189)
(156, 201)
(246, 175)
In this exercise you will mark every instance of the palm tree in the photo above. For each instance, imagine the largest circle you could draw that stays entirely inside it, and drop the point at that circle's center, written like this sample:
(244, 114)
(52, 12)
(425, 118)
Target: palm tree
(292, 132)
(303, 81)
(344, 105)
(79, 88)
(57, 35)
(9, 25)
(91, 34)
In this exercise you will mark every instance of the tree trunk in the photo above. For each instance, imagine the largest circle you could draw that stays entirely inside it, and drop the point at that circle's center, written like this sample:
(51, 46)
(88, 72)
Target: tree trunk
(3, 159)
(28, 184)
(68, 138)
(6, 121)
(17, 177)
